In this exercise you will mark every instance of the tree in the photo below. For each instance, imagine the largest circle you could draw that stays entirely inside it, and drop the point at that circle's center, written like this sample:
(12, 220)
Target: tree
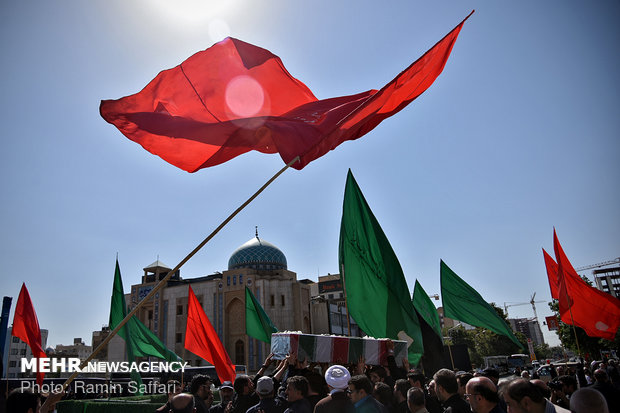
(482, 342)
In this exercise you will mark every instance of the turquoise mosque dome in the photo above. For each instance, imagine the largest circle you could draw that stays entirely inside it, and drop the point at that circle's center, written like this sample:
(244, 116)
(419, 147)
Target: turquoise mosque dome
(259, 255)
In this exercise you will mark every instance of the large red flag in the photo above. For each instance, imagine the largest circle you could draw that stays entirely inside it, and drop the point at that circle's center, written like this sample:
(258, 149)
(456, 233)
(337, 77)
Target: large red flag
(26, 326)
(202, 340)
(595, 311)
(235, 97)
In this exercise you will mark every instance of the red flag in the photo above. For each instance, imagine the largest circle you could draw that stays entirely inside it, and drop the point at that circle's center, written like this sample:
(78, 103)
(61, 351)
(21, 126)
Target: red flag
(202, 340)
(235, 97)
(595, 311)
(26, 327)
(557, 285)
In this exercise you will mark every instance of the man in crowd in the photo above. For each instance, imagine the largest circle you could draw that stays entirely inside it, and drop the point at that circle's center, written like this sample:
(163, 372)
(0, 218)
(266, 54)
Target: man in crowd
(296, 392)
(265, 392)
(360, 389)
(226, 396)
(415, 400)
(244, 397)
(173, 388)
(482, 396)
(23, 401)
(416, 379)
(446, 388)
(337, 378)
(200, 388)
(400, 396)
(522, 396)
(588, 400)
(462, 378)
(563, 387)
(603, 385)
(183, 403)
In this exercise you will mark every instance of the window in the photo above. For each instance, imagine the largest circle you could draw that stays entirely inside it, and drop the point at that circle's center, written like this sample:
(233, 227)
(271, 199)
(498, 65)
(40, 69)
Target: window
(273, 300)
(150, 314)
(239, 352)
(228, 281)
(282, 298)
(179, 338)
(23, 352)
(15, 339)
(13, 363)
(240, 279)
(234, 280)
(179, 310)
(14, 351)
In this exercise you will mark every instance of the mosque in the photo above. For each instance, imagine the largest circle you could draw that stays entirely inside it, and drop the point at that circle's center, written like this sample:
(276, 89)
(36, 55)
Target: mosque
(257, 264)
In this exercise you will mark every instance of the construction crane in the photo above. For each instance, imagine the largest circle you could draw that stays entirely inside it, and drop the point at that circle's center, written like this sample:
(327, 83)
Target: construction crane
(531, 302)
(600, 264)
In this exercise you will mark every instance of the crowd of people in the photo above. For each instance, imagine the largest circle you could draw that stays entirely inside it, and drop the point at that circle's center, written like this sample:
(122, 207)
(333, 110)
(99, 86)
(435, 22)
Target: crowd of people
(296, 386)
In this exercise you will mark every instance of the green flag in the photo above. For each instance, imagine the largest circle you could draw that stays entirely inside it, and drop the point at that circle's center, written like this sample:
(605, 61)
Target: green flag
(461, 302)
(376, 290)
(431, 329)
(426, 309)
(139, 339)
(257, 323)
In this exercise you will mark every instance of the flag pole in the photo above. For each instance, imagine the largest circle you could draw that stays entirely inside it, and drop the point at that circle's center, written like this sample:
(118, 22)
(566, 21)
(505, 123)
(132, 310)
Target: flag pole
(346, 306)
(56, 396)
(570, 310)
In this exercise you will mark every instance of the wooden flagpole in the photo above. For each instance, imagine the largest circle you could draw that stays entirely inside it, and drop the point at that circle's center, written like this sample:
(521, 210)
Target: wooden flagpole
(56, 396)
(346, 305)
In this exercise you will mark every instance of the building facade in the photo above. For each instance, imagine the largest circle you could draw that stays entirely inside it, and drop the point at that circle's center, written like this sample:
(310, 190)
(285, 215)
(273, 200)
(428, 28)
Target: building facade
(257, 265)
(17, 350)
(608, 280)
(529, 327)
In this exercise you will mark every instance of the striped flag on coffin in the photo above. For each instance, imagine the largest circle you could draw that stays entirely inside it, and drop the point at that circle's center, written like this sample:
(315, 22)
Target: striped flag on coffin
(335, 349)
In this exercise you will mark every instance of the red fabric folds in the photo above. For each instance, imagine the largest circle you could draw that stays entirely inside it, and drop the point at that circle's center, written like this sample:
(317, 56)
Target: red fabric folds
(26, 327)
(235, 97)
(595, 311)
(202, 340)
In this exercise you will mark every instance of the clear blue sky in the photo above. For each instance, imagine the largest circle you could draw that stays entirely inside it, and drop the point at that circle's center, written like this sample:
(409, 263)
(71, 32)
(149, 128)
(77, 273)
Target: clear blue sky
(519, 134)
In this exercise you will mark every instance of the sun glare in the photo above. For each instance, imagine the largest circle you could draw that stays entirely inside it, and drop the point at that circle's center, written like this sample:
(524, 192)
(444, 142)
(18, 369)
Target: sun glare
(207, 14)
(244, 96)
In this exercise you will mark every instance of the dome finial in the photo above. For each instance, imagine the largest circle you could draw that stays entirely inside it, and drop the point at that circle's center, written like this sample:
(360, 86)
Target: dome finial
(256, 227)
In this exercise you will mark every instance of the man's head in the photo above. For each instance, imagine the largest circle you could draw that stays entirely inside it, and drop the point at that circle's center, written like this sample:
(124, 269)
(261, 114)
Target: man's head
(296, 388)
(182, 403)
(337, 377)
(445, 384)
(226, 392)
(415, 399)
(377, 374)
(383, 393)
(600, 376)
(492, 374)
(416, 379)
(264, 387)
(400, 390)
(243, 385)
(359, 387)
(201, 386)
(173, 387)
(569, 384)
(522, 396)
(23, 400)
(462, 378)
(316, 383)
(587, 400)
(542, 386)
(481, 394)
